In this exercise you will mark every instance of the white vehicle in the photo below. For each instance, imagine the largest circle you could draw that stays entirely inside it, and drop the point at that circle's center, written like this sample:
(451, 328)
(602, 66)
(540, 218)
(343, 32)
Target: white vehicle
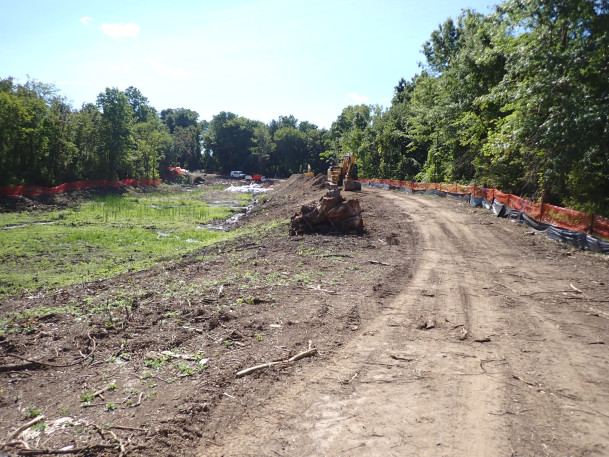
(237, 174)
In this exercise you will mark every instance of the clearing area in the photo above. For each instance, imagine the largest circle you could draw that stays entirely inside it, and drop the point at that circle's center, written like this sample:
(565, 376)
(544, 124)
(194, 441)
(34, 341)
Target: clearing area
(440, 331)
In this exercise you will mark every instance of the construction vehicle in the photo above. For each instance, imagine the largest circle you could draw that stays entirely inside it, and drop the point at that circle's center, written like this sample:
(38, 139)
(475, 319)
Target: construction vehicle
(309, 173)
(342, 175)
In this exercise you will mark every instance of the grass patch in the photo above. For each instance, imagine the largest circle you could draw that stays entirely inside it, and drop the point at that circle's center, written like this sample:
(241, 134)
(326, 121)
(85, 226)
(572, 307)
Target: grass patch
(105, 237)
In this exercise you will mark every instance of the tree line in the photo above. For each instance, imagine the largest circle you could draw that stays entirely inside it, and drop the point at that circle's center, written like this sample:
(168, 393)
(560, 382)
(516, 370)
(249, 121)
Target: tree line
(517, 100)
(44, 141)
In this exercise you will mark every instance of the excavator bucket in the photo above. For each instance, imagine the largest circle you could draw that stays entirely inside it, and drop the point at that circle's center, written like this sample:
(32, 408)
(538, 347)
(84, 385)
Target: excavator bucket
(351, 186)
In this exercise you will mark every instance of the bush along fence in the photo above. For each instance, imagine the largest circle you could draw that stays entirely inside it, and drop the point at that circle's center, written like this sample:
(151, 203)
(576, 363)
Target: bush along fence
(34, 191)
(583, 230)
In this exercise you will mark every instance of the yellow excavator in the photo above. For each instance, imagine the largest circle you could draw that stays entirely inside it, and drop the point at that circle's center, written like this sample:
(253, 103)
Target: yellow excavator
(309, 173)
(342, 175)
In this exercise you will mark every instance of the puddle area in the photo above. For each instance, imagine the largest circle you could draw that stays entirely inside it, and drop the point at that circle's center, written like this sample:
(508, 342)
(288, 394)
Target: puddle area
(227, 224)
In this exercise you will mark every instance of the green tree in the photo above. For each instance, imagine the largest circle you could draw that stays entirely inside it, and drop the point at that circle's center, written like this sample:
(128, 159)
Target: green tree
(289, 151)
(229, 140)
(116, 134)
(86, 135)
(555, 95)
(260, 151)
(151, 138)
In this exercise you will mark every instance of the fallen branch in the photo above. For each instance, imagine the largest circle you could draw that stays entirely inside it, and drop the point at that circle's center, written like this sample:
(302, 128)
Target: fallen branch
(376, 262)
(302, 355)
(139, 400)
(122, 427)
(24, 427)
(100, 392)
(308, 353)
(256, 368)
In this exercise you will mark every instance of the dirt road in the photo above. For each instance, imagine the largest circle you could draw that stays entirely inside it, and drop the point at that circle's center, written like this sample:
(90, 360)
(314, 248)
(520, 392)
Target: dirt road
(494, 348)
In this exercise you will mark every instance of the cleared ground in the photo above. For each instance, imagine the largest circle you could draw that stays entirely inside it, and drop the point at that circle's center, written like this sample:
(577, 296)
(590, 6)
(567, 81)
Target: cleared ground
(441, 331)
(496, 346)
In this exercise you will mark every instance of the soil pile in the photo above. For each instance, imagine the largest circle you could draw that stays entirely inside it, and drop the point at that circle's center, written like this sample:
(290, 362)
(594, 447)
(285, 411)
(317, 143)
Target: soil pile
(333, 213)
(299, 185)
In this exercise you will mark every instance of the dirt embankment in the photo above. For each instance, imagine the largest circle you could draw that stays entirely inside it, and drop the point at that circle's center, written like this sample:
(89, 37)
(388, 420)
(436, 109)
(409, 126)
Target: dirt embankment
(440, 331)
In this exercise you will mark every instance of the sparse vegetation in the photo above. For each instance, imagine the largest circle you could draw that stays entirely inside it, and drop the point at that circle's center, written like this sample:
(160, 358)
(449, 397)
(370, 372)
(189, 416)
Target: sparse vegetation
(31, 412)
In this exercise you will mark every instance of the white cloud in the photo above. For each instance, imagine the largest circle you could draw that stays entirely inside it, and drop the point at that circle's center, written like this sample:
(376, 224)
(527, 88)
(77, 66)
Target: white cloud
(121, 30)
(358, 98)
(85, 20)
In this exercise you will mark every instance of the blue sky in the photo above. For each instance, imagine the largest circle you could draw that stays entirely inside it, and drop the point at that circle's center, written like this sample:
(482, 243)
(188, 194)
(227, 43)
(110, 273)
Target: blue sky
(256, 58)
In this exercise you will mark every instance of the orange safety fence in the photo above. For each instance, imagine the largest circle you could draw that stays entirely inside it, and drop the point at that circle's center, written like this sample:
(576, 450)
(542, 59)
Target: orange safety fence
(569, 219)
(600, 227)
(34, 191)
(564, 218)
(531, 209)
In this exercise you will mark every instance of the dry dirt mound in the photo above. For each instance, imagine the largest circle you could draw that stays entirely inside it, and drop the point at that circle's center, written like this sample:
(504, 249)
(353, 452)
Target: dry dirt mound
(300, 186)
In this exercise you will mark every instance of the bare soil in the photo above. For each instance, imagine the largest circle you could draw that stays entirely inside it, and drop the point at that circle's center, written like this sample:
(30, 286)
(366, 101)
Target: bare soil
(440, 331)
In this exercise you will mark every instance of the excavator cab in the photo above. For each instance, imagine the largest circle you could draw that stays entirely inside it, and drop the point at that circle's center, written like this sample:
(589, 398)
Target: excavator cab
(342, 175)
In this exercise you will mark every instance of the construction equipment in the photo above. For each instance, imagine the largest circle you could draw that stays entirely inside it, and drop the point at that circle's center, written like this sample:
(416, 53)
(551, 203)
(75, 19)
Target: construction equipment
(309, 173)
(342, 175)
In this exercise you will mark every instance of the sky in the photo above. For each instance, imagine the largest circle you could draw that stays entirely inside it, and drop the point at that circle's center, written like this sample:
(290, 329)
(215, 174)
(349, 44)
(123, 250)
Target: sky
(260, 59)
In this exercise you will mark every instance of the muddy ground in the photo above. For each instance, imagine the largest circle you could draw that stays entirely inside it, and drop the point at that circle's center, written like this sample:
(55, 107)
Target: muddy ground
(441, 330)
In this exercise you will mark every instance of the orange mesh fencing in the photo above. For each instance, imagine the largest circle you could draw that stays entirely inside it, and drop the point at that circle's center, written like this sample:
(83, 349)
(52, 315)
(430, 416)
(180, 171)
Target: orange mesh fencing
(502, 198)
(464, 189)
(34, 191)
(600, 226)
(528, 207)
(423, 186)
(477, 192)
(569, 219)
(444, 187)
(566, 218)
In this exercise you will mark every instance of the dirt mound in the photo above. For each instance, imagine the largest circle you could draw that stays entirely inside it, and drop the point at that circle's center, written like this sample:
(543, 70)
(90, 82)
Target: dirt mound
(289, 195)
(300, 185)
(333, 213)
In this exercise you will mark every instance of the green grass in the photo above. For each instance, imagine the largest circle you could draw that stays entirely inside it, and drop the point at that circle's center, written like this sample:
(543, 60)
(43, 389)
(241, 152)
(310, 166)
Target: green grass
(104, 237)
